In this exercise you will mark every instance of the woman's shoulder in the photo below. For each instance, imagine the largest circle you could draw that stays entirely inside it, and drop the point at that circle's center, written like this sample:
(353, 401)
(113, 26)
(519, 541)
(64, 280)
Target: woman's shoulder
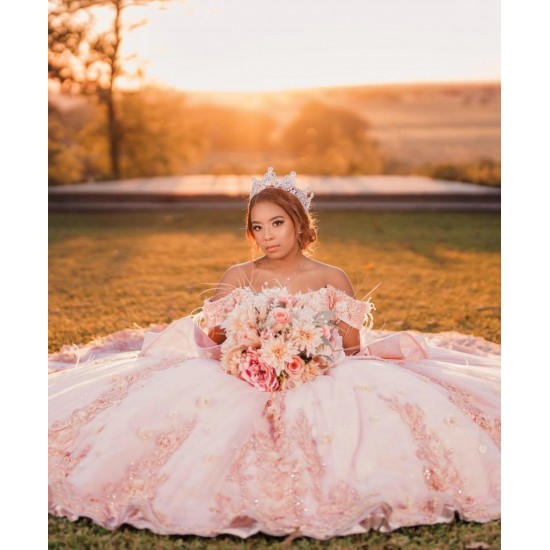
(215, 308)
(244, 267)
(236, 276)
(334, 277)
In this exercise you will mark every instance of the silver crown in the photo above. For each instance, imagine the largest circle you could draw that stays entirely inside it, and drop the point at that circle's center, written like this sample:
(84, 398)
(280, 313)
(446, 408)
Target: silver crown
(286, 183)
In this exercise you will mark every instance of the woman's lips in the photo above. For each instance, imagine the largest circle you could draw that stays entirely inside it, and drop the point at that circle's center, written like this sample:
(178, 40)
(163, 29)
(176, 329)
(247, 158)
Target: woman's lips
(271, 248)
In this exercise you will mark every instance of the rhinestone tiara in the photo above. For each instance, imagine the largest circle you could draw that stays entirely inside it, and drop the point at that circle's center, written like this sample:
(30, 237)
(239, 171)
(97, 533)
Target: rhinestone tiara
(286, 183)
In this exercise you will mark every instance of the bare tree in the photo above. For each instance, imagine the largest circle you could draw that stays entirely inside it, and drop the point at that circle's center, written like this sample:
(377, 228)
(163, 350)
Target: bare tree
(84, 60)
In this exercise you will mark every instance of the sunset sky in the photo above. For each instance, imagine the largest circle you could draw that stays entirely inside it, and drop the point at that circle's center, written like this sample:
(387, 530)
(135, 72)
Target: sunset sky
(258, 45)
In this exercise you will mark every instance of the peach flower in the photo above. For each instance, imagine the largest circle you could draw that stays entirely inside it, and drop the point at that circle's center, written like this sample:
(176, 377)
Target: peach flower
(232, 359)
(295, 368)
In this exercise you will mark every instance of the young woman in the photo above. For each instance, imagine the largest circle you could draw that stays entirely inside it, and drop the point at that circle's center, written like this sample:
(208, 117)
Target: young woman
(274, 410)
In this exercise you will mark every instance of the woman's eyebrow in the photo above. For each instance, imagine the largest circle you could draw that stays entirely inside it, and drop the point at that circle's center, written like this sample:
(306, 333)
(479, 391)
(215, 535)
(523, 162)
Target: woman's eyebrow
(273, 218)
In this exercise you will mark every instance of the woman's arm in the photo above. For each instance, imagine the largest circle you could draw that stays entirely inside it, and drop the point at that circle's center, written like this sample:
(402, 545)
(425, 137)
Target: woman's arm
(229, 281)
(350, 335)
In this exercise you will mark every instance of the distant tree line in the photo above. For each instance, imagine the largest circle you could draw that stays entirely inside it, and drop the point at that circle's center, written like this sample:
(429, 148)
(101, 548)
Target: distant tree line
(160, 134)
(484, 171)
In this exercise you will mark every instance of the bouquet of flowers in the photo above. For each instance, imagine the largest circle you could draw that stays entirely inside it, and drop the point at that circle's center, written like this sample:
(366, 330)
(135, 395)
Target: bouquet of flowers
(277, 341)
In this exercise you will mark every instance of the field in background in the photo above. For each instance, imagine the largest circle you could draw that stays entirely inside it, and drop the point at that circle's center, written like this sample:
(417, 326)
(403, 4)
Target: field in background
(415, 124)
(109, 271)
(447, 131)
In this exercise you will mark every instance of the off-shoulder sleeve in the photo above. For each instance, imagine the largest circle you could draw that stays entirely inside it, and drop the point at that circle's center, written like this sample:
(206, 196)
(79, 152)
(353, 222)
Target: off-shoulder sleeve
(356, 313)
(215, 312)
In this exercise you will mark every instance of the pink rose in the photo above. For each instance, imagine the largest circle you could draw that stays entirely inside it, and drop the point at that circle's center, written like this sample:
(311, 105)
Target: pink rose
(281, 316)
(296, 367)
(257, 373)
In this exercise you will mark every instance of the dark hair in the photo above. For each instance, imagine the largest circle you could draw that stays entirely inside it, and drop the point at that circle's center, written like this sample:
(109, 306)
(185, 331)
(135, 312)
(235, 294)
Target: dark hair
(304, 223)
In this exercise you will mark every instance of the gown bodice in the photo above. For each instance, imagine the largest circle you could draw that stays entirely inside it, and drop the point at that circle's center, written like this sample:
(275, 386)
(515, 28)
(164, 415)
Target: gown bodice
(351, 311)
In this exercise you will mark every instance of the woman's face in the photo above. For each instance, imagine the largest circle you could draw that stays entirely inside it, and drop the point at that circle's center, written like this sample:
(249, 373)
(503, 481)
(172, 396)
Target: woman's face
(273, 230)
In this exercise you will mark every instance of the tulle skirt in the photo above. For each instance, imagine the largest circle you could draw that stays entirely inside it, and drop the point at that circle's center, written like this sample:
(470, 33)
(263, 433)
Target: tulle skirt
(147, 429)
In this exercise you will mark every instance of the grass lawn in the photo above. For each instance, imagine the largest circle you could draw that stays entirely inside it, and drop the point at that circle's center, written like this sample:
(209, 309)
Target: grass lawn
(110, 271)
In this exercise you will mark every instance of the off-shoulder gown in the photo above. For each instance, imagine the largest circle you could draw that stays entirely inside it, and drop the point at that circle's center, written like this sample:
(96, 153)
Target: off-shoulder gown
(146, 429)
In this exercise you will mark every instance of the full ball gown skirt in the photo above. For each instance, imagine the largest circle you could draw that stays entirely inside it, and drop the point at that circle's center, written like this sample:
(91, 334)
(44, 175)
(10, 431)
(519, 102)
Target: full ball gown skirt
(146, 429)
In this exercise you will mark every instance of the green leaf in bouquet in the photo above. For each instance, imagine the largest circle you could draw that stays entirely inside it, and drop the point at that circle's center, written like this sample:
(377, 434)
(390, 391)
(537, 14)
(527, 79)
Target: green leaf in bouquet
(325, 316)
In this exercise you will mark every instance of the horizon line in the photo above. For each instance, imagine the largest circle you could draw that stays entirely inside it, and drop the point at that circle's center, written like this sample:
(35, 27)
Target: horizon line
(404, 83)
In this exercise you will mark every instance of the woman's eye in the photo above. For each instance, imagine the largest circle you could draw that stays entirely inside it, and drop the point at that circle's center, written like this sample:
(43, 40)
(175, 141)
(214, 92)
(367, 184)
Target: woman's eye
(256, 227)
(278, 222)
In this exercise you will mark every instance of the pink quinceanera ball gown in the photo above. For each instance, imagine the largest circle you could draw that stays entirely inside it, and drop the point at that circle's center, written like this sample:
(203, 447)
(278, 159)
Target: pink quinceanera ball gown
(146, 429)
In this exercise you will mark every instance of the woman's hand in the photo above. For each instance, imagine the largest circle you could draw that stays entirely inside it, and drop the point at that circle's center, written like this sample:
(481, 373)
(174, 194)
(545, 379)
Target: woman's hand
(217, 334)
(350, 338)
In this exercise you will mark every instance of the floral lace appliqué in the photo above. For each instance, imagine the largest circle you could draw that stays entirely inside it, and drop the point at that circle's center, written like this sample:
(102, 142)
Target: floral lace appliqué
(356, 313)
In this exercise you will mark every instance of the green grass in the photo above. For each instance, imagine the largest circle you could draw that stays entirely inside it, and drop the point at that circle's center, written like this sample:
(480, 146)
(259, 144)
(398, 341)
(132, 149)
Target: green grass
(456, 535)
(109, 271)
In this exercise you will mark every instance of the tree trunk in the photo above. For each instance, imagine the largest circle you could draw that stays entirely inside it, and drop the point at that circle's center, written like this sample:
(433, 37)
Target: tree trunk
(114, 123)
(114, 136)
